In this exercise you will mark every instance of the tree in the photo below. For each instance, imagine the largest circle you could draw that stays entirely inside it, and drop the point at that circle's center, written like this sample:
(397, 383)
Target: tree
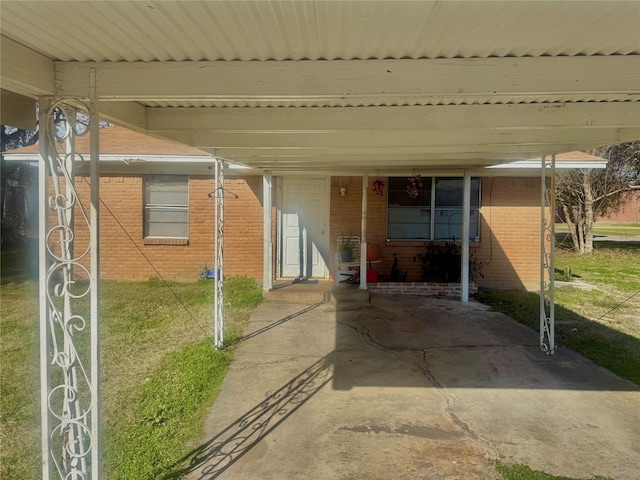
(11, 138)
(585, 194)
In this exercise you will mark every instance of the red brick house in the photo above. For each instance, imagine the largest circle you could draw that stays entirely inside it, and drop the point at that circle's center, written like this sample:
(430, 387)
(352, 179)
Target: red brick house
(157, 219)
(316, 97)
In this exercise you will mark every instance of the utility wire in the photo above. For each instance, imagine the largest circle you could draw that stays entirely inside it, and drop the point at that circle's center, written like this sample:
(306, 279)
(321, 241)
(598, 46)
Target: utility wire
(618, 306)
(558, 345)
(164, 281)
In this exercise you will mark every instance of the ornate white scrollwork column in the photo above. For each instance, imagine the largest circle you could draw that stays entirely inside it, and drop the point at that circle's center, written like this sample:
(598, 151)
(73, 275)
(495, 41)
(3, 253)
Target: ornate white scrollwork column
(547, 256)
(69, 296)
(218, 304)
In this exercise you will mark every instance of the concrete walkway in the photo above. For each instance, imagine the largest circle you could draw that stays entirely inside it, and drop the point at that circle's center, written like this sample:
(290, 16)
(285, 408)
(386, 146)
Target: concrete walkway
(411, 388)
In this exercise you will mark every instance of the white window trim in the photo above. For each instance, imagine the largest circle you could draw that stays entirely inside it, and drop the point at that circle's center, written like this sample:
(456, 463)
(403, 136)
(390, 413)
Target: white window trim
(147, 207)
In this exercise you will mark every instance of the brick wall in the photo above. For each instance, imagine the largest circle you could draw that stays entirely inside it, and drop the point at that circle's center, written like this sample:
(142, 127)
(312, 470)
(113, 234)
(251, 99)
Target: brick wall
(174, 260)
(629, 211)
(346, 215)
(244, 227)
(510, 232)
(509, 247)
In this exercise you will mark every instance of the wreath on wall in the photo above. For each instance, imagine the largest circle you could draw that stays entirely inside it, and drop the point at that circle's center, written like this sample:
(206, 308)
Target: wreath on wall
(414, 186)
(378, 187)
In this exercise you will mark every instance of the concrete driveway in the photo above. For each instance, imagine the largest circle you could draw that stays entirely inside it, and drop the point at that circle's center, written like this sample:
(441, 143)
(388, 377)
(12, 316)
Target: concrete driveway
(411, 388)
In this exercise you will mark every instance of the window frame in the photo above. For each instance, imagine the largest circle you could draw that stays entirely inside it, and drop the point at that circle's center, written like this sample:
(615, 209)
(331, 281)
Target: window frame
(431, 204)
(179, 208)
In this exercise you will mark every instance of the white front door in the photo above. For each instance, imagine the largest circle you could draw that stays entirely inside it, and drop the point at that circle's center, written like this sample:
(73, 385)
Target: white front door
(304, 236)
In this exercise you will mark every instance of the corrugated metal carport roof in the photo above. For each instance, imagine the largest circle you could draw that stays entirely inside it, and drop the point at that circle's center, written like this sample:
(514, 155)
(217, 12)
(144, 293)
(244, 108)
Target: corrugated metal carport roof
(103, 31)
(342, 86)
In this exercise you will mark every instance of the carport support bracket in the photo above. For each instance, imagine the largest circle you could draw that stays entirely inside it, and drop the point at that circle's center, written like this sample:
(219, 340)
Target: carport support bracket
(547, 256)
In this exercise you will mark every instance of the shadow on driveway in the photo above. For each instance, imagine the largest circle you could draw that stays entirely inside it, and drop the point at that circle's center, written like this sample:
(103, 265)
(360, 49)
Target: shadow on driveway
(410, 387)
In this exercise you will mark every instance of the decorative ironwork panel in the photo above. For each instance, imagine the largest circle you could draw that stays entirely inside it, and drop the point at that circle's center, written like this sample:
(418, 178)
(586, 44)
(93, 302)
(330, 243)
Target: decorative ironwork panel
(68, 388)
(218, 316)
(547, 256)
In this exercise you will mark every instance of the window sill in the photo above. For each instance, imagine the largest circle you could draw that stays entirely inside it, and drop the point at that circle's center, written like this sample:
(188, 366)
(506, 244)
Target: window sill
(175, 242)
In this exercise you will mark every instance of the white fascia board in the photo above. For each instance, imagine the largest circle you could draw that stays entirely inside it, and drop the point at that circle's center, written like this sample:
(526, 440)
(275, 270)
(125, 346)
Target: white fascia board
(535, 164)
(21, 157)
(34, 157)
(158, 158)
(188, 164)
(517, 168)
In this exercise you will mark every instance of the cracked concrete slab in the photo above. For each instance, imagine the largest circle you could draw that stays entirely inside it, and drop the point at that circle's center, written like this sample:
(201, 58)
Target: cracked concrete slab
(411, 387)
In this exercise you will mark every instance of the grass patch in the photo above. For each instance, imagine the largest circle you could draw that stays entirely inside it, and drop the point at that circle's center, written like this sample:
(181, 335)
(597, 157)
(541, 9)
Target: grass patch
(606, 346)
(163, 378)
(522, 472)
(601, 324)
(608, 229)
(612, 264)
(168, 411)
(160, 371)
(19, 382)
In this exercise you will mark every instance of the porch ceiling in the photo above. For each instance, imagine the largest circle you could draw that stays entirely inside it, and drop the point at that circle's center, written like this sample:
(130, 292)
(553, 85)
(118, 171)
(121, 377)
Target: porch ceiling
(346, 86)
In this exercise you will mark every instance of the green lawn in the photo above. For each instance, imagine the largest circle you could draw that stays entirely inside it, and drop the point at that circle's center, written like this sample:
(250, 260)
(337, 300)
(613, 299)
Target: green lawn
(160, 371)
(19, 379)
(522, 472)
(609, 229)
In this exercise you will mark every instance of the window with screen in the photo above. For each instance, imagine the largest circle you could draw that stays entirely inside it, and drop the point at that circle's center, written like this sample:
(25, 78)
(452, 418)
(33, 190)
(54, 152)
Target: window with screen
(166, 206)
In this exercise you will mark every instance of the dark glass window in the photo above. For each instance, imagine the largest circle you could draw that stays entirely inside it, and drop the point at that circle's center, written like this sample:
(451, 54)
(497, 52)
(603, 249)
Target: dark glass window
(419, 218)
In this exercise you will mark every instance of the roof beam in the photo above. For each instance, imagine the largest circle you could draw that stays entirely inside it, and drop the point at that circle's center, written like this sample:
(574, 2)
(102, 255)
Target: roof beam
(461, 139)
(131, 115)
(24, 71)
(363, 81)
(482, 154)
(378, 164)
(17, 110)
(255, 120)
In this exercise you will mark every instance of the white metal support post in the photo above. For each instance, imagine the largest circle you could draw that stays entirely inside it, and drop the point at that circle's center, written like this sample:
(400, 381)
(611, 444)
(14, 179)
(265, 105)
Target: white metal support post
(68, 275)
(218, 300)
(547, 256)
(94, 172)
(363, 241)
(43, 270)
(267, 268)
(466, 217)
